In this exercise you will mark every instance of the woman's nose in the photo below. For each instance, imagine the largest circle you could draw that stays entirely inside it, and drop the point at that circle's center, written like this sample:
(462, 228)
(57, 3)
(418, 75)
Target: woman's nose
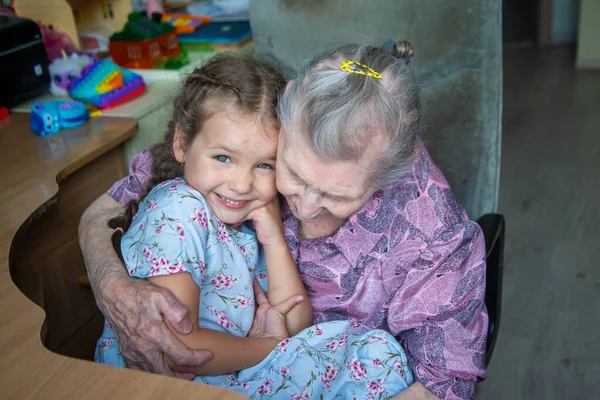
(241, 182)
(307, 205)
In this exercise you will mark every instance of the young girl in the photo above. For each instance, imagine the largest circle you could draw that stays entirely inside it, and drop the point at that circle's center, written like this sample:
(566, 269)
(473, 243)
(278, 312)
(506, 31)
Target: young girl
(213, 172)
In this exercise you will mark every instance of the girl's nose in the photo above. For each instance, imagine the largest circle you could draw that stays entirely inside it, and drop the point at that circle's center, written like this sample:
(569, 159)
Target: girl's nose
(241, 182)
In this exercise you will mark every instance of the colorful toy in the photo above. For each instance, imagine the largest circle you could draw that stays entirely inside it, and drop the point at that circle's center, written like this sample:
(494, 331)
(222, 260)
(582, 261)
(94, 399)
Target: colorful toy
(144, 44)
(105, 85)
(65, 70)
(218, 36)
(49, 117)
(185, 23)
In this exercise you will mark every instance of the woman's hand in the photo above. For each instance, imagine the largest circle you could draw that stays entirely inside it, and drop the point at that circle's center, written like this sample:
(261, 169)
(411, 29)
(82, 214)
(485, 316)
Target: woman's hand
(137, 310)
(269, 321)
(268, 225)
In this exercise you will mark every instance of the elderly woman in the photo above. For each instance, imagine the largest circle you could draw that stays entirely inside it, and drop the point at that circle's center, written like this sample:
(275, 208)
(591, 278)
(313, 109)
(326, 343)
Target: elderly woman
(376, 233)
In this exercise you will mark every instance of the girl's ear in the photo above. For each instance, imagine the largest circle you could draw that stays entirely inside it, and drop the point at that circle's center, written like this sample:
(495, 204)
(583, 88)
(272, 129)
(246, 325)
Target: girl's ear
(179, 145)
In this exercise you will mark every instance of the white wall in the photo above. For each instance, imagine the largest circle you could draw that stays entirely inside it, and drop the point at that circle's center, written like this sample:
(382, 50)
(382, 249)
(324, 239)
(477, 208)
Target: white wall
(565, 14)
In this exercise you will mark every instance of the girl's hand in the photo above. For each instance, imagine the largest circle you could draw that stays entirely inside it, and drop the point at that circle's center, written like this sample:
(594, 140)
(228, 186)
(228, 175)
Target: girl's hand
(268, 225)
(269, 321)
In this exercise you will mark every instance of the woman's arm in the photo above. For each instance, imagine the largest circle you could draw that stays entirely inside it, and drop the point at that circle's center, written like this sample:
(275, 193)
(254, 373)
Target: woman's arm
(282, 274)
(101, 260)
(135, 308)
(445, 304)
(231, 353)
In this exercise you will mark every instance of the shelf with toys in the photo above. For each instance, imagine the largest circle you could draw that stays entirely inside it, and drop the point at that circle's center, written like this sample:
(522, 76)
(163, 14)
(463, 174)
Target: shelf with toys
(150, 61)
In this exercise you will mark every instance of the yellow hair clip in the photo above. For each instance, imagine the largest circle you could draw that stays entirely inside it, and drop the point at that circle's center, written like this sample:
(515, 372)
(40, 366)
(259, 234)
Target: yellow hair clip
(358, 68)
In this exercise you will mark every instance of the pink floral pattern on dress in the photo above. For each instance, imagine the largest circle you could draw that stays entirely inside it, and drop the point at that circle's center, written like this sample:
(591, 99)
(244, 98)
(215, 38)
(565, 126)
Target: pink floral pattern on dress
(151, 205)
(303, 395)
(282, 346)
(375, 388)
(329, 376)
(199, 216)
(180, 231)
(223, 281)
(244, 301)
(223, 234)
(358, 370)
(266, 387)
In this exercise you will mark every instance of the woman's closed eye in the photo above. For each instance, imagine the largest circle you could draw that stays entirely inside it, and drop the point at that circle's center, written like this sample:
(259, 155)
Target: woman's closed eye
(222, 158)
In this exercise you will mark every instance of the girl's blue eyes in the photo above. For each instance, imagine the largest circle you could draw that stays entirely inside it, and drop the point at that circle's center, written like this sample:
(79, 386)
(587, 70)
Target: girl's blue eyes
(223, 159)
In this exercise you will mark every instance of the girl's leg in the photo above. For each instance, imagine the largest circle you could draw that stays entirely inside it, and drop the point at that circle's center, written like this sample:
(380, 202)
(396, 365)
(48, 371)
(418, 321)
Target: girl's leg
(334, 358)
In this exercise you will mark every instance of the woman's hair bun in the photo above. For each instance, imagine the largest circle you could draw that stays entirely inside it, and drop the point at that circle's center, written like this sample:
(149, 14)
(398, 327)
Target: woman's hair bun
(403, 49)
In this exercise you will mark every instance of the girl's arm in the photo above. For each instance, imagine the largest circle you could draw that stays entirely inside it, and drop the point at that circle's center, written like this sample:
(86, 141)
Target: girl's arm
(230, 353)
(283, 278)
(283, 281)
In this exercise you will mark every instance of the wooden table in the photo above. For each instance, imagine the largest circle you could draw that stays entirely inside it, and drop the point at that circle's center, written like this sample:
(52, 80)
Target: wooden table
(46, 183)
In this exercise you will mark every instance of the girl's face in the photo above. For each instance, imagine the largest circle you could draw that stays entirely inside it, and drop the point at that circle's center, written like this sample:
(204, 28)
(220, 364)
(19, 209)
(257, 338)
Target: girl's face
(231, 162)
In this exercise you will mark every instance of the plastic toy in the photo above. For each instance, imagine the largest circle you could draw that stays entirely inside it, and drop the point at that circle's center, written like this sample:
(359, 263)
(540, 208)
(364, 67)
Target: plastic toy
(144, 44)
(49, 117)
(65, 70)
(105, 85)
(185, 23)
(218, 36)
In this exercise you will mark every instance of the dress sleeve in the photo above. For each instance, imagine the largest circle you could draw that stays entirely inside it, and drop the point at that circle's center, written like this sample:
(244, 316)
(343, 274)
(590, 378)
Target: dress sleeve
(439, 313)
(169, 235)
(133, 187)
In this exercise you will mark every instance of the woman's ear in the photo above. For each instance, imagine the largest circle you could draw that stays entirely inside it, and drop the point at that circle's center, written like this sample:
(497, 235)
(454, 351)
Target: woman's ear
(287, 86)
(179, 145)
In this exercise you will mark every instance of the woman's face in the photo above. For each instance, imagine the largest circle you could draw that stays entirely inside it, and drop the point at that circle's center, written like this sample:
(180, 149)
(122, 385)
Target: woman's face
(322, 195)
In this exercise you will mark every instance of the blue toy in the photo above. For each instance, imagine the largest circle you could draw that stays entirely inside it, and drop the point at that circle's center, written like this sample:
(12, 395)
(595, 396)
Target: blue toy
(49, 117)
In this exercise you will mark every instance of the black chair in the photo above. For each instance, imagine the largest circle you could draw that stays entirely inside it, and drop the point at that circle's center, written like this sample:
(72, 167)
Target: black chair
(493, 226)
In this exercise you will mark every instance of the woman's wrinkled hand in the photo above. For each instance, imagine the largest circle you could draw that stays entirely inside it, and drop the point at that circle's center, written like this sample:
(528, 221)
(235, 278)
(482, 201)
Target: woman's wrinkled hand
(138, 312)
(268, 224)
(269, 320)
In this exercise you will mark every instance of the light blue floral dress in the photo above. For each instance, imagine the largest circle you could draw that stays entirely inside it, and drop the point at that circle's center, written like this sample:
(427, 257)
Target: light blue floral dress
(175, 231)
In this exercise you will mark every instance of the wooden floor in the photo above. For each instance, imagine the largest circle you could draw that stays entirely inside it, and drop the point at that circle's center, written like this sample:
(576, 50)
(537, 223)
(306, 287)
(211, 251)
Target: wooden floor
(549, 338)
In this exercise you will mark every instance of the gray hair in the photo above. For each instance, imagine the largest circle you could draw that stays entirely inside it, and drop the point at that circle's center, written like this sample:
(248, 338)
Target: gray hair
(341, 114)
